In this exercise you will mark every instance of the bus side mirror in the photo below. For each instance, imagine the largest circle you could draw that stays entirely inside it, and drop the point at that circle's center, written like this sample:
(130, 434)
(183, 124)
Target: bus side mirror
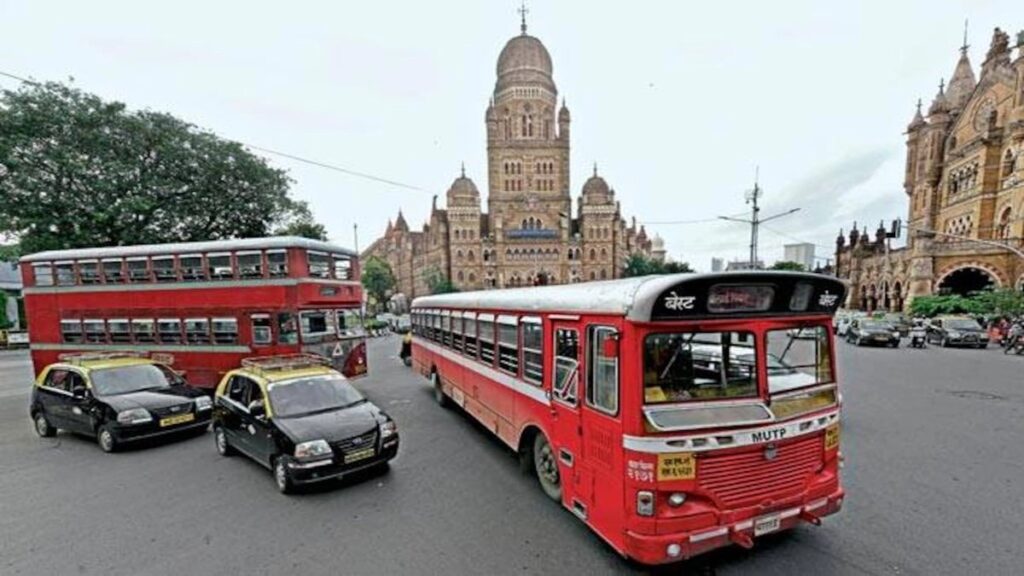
(610, 348)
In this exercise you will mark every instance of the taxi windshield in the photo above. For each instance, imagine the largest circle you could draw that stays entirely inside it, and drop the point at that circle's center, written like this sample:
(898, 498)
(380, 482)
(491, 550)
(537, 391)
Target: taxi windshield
(128, 379)
(962, 324)
(304, 396)
(687, 366)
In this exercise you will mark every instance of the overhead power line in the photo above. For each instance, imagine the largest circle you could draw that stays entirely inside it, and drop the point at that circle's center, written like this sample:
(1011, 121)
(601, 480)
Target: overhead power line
(294, 157)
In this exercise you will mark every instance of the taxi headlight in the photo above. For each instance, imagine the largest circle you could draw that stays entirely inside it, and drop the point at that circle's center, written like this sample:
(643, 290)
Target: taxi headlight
(134, 416)
(203, 403)
(388, 429)
(312, 449)
(954, 334)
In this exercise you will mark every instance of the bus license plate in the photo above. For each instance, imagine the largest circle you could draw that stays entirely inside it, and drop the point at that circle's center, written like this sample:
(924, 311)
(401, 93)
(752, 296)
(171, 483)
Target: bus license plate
(179, 419)
(767, 524)
(358, 455)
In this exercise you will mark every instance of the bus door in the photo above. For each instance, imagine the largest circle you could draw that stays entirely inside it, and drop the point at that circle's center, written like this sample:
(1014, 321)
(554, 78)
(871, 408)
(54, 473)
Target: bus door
(601, 423)
(567, 431)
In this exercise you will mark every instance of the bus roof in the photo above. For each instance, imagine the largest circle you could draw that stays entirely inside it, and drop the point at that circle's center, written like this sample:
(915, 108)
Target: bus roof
(664, 297)
(270, 242)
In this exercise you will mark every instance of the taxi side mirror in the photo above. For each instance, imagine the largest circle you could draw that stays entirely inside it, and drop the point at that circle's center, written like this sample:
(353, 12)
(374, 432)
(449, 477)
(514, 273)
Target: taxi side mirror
(79, 391)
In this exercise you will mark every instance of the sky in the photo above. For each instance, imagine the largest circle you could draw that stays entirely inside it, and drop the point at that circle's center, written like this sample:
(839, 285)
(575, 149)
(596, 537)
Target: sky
(678, 103)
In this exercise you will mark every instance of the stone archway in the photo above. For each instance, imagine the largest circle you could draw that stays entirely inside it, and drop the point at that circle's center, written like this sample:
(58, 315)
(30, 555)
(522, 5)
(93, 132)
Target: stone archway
(966, 280)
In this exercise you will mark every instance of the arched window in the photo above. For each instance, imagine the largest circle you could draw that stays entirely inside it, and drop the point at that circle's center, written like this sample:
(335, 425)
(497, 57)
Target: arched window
(604, 274)
(604, 253)
(539, 224)
(592, 275)
(472, 277)
(593, 255)
(1009, 164)
(460, 276)
(471, 257)
(458, 255)
(1004, 223)
(524, 224)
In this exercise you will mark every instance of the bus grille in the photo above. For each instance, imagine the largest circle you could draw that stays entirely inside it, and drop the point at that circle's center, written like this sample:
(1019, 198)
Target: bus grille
(747, 478)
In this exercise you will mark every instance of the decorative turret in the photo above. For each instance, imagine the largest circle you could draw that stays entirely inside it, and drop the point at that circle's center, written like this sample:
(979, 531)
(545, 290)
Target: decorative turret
(918, 121)
(939, 104)
(880, 233)
(998, 52)
(596, 190)
(463, 192)
(854, 236)
(962, 83)
(400, 223)
(840, 240)
(563, 121)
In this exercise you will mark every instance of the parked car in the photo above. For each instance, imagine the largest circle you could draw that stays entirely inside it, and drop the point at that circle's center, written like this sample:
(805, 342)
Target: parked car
(864, 331)
(898, 321)
(957, 331)
(116, 398)
(301, 419)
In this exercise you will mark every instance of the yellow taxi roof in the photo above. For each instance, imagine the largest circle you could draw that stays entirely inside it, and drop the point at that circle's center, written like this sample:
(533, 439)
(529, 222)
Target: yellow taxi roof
(271, 376)
(89, 364)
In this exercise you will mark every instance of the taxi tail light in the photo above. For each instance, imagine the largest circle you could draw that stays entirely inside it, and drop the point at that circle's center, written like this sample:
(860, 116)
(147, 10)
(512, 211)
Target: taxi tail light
(645, 503)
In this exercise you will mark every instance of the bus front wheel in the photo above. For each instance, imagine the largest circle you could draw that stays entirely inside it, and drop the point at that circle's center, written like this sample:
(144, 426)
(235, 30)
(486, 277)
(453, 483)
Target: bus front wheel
(546, 465)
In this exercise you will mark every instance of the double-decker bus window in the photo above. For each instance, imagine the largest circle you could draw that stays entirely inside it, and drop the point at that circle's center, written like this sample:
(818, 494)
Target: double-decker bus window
(197, 331)
(533, 350)
(95, 332)
(219, 266)
(316, 324)
(349, 322)
(113, 271)
(71, 331)
(565, 386)
(508, 344)
(65, 273)
(225, 330)
(192, 267)
(250, 264)
(603, 369)
(89, 271)
(144, 330)
(262, 334)
(457, 331)
(319, 264)
(446, 329)
(169, 330)
(120, 331)
(163, 269)
(43, 273)
(486, 328)
(684, 366)
(277, 263)
(469, 331)
(287, 328)
(342, 267)
(138, 269)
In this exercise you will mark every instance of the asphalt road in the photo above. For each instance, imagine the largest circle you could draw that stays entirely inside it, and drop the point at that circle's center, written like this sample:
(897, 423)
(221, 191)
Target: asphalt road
(934, 469)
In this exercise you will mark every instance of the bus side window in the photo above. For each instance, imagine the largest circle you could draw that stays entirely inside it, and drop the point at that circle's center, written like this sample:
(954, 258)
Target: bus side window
(261, 331)
(287, 328)
(565, 386)
(602, 370)
(533, 350)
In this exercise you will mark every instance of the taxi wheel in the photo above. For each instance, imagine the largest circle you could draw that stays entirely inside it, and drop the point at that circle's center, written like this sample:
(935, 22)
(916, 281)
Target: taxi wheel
(546, 465)
(220, 438)
(282, 477)
(439, 395)
(42, 426)
(105, 438)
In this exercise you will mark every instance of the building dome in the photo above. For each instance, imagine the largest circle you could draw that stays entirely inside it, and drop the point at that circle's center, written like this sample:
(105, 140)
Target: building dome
(596, 190)
(463, 191)
(524, 61)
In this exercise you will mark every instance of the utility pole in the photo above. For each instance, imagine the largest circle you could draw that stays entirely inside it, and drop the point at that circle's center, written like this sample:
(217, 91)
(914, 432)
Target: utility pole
(355, 234)
(755, 221)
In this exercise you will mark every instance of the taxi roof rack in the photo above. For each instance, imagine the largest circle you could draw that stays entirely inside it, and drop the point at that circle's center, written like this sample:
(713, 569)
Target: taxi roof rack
(282, 362)
(80, 357)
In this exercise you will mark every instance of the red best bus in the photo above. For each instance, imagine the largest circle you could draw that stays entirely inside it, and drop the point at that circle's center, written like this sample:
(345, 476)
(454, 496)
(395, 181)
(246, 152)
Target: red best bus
(200, 307)
(672, 414)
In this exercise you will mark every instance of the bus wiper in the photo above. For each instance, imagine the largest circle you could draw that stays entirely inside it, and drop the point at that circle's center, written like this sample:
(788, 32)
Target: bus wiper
(672, 360)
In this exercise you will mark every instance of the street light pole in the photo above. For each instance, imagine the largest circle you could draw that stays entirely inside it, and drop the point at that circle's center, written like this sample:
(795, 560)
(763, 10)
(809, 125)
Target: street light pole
(755, 220)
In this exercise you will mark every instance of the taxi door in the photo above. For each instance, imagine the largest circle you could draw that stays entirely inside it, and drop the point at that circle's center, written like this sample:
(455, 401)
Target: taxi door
(565, 413)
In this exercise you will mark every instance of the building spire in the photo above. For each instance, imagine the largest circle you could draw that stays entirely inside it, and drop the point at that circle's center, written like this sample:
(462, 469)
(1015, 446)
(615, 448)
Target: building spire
(523, 11)
(595, 169)
(965, 45)
(463, 169)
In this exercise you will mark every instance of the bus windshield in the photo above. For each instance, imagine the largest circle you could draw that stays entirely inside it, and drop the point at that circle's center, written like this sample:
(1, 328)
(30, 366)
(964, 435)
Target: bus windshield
(685, 366)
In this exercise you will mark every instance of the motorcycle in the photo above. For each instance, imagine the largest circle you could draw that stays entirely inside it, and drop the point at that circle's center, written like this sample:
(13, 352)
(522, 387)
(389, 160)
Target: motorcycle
(918, 337)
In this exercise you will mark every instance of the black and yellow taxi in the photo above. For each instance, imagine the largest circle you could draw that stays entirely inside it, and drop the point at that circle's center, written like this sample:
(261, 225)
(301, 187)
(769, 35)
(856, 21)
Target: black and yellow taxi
(116, 398)
(300, 418)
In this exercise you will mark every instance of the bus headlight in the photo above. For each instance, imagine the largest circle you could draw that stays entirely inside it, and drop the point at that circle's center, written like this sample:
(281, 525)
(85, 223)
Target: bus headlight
(645, 503)
(676, 499)
(673, 550)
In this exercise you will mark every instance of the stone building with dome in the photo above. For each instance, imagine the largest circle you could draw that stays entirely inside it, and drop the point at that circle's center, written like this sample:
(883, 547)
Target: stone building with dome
(529, 233)
(964, 182)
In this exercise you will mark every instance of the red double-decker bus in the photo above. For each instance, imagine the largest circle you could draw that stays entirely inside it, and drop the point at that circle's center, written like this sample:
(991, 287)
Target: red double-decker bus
(672, 414)
(201, 306)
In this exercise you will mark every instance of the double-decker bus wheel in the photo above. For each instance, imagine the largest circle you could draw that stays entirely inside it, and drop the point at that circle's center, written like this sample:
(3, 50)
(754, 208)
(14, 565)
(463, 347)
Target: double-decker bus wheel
(546, 466)
(435, 381)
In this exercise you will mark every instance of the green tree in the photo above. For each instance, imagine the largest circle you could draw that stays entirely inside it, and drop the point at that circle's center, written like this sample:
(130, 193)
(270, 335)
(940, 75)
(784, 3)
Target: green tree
(438, 283)
(788, 265)
(76, 170)
(639, 265)
(10, 253)
(1002, 301)
(378, 279)
(301, 223)
(929, 306)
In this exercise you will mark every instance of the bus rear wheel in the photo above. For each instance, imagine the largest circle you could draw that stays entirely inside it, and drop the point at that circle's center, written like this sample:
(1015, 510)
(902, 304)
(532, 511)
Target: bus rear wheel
(439, 395)
(545, 464)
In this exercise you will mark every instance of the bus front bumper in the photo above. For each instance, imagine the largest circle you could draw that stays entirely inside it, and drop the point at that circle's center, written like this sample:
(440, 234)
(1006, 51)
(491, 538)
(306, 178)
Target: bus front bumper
(664, 549)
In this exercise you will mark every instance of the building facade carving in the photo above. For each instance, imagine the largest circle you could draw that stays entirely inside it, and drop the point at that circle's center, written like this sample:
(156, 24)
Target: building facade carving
(964, 181)
(529, 233)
